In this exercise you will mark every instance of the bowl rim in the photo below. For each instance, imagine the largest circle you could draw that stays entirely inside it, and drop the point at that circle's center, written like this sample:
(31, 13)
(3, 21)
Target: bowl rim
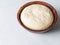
(41, 3)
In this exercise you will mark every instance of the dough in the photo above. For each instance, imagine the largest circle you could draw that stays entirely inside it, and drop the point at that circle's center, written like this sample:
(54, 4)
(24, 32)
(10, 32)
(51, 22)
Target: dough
(37, 17)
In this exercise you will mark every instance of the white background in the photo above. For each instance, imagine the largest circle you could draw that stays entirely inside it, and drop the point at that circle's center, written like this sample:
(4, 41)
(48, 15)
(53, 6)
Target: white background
(12, 34)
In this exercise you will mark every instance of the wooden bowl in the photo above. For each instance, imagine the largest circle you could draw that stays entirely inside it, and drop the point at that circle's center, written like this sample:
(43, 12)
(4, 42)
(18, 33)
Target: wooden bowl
(41, 3)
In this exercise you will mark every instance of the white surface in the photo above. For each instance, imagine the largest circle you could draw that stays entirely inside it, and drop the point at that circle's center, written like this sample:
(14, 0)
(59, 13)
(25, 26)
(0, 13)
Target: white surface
(12, 34)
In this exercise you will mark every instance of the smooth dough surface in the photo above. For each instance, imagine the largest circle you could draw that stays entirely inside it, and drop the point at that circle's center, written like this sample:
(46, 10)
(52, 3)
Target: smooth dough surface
(37, 17)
